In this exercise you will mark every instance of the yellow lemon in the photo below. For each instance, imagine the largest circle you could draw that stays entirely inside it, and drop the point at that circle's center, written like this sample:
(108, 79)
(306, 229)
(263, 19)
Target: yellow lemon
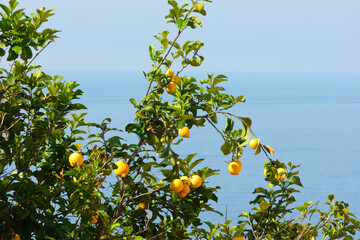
(176, 185)
(234, 167)
(196, 181)
(169, 73)
(184, 132)
(76, 158)
(94, 219)
(122, 170)
(185, 180)
(175, 79)
(142, 206)
(16, 237)
(184, 191)
(238, 238)
(254, 143)
(281, 174)
(170, 88)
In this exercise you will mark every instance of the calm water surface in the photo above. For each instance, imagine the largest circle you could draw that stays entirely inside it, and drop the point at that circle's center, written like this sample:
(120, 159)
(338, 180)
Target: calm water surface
(309, 119)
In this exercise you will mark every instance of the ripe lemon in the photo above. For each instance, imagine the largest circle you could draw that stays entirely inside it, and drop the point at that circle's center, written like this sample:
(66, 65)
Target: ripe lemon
(279, 176)
(176, 185)
(254, 143)
(122, 170)
(142, 206)
(184, 132)
(16, 237)
(169, 73)
(175, 79)
(184, 191)
(238, 238)
(185, 180)
(170, 88)
(76, 158)
(94, 219)
(196, 181)
(234, 167)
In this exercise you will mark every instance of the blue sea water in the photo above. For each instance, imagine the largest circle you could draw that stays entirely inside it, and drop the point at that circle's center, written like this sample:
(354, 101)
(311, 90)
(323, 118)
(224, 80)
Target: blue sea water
(310, 119)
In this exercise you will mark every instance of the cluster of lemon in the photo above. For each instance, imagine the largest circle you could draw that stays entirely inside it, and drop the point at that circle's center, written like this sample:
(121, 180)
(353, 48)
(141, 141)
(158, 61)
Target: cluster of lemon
(171, 87)
(181, 186)
(76, 159)
(234, 167)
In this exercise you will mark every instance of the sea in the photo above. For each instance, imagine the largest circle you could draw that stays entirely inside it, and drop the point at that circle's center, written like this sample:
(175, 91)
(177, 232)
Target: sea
(310, 119)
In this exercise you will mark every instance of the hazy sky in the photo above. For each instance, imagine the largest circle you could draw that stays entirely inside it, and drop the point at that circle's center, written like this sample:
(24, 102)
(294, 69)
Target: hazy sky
(239, 35)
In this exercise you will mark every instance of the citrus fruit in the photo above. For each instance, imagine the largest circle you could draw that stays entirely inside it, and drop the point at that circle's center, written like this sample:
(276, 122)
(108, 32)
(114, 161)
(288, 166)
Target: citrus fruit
(185, 180)
(142, 206)
(184, 191)
(184, 132)
(265, 172)
(175, 79)
(238, 238)
(254, 143)
(16, 237)
(75, 158)
(122, 170)
(169, 73)
(281, 174)
(176, 185)
(170, 88)
(94, 219)
(234, 167)
(196, 181)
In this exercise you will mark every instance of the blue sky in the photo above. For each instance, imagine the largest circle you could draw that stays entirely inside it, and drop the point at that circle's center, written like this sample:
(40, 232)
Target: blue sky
(239, 35)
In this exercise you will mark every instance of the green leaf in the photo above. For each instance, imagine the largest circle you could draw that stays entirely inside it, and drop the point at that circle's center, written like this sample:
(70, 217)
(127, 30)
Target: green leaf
(2, 52)
(218, 79)
(37, 73)
(194, 62)
(17, 49)
(226, 148)
(296, 180)
(133, 101)
(195, 163)
(181, 24)
(196, 20)
(12, 55)
(26, 53)
(229, 125)
(152, 52)
(199, 7)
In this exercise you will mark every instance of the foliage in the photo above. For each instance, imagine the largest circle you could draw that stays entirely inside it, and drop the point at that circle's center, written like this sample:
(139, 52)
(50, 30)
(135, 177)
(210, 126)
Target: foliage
(43, 197)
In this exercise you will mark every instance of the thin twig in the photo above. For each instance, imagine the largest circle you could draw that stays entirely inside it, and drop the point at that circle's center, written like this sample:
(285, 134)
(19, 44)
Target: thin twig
(37, 54)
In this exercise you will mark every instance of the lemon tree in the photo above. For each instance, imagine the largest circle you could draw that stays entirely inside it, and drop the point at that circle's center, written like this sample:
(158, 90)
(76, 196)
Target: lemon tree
(63, 177)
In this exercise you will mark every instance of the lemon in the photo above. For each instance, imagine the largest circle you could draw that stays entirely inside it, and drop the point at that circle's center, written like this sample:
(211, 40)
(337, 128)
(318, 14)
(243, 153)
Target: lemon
(170, 88)
(184, 132)
(185, 180)
(169, 73)
(76, 158)
(184, 191)
(281, 174)
(175, 79)
(234, 167)
(122, 170)
(238, 238)
(196, 181)
(142, 206)
(176, 185)
(16, 237)
(254, 143)
(94, 219)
